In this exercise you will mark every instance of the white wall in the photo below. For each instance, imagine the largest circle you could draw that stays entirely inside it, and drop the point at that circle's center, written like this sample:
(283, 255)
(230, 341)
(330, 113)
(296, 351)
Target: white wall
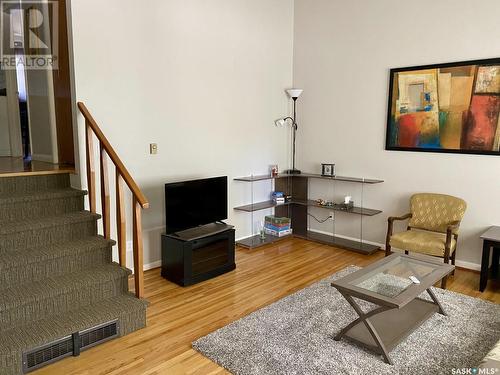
(41, 108)
(343, 53)
(203, 79)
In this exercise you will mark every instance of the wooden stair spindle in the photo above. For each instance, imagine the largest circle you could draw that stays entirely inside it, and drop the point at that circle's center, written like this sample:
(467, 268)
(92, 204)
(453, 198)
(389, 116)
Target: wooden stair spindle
(90, 166)
(121, 226)
(105, 198)
(138, 251)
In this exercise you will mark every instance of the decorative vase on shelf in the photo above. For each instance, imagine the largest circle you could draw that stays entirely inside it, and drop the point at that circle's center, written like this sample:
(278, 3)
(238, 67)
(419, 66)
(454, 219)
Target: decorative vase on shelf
(262, 232)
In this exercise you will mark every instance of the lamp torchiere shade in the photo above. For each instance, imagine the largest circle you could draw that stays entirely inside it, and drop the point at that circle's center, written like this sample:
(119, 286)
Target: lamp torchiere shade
(294, 93)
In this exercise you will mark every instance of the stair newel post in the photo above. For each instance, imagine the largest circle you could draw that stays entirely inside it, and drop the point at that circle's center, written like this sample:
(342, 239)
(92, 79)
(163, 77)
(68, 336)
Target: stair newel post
(105, 197)
(90, 166)
(138, 251)
(120, 220)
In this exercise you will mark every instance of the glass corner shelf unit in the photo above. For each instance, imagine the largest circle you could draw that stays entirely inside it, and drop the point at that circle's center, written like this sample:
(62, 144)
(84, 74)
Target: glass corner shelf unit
(303, 209)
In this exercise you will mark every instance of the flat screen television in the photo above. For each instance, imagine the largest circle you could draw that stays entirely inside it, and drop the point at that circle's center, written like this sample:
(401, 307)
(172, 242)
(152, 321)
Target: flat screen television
(189, 204)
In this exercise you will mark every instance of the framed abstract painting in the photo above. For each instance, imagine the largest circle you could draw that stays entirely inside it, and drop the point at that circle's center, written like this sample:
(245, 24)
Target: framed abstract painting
(451, 107)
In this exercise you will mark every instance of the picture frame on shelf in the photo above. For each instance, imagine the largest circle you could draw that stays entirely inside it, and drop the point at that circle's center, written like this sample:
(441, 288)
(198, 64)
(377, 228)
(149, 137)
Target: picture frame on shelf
(328, 170)
(273, 170)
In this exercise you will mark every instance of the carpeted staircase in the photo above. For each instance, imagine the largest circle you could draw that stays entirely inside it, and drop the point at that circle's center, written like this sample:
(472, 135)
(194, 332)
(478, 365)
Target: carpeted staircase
(57, 278)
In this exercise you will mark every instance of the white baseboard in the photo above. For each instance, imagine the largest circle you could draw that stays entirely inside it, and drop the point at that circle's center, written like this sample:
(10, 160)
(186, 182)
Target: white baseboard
(130, 252)
(458, 263)
(468, 265)
(150, 266)
(146, 267)
(382, 246)
(5, 152)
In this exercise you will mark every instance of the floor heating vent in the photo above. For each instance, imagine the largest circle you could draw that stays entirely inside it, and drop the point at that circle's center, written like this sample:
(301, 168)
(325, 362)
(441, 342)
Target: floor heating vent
(98, 335)
(69, 345)
(47, 354)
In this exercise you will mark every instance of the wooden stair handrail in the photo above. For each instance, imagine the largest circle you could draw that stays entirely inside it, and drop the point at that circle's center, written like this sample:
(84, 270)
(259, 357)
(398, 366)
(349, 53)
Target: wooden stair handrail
(136, 191)
(139, 201)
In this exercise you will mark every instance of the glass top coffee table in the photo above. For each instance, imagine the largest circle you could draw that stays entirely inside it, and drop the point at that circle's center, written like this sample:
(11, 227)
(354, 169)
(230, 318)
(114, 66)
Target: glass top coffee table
(393, 284)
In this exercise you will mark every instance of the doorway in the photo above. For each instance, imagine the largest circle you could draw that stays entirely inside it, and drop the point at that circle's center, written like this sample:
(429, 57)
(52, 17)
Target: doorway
(36, 115)
(22, 97)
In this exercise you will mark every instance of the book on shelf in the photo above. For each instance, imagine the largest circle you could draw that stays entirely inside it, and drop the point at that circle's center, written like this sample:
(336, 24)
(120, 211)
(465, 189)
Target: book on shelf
(277, 221)
(279, 200)
(276, 228)
(276, 233)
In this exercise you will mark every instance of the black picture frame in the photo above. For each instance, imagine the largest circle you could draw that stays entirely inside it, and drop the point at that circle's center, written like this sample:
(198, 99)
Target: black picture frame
(325, 167)
(394, 71)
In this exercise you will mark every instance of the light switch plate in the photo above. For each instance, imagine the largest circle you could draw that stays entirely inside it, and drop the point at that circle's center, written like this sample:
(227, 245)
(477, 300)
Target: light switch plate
(153, 148)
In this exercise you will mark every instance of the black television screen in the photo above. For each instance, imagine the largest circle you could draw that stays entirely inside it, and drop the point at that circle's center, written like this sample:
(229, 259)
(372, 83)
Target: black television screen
(190, 204)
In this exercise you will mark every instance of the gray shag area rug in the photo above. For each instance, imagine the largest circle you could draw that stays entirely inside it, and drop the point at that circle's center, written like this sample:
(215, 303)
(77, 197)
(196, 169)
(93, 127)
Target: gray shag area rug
(295, 336)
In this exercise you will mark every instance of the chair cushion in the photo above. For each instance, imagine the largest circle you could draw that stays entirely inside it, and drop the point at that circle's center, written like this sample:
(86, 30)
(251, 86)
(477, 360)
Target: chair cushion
(430, 243)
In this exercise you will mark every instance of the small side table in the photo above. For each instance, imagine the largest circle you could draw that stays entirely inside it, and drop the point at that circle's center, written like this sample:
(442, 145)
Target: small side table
(491, 240)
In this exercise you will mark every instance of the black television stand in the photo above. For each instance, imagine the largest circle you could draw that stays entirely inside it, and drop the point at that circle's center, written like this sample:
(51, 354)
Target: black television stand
(198, 254)
(202, 231)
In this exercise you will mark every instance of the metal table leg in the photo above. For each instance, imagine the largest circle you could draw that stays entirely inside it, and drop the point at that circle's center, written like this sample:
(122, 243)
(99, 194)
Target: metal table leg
(356, 321)
(364, 318)
(434, 298)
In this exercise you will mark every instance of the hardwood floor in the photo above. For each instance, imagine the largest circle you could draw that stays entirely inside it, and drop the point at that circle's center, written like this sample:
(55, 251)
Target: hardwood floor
(10, 167)
(177, 316)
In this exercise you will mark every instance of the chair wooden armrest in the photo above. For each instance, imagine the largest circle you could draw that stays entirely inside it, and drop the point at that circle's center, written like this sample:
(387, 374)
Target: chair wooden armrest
(391, 220)
(454, 225)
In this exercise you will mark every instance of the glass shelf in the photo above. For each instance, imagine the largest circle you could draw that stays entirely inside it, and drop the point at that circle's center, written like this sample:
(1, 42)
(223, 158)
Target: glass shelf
(311, 203)
(309, 175)
(255, 241)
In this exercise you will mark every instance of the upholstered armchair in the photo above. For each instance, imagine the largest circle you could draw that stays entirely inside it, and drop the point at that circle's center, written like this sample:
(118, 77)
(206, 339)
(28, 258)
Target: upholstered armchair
(434, 221)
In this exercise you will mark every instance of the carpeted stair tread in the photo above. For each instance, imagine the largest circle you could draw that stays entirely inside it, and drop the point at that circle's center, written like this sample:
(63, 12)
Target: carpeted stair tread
(51, 287)
(20, 205)
(47, 222)
(57, 295)
(16, 197)
(46, 230)
(130, 312)
(56, 326)
(30, 265)
(34, 183)
(76, 247)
